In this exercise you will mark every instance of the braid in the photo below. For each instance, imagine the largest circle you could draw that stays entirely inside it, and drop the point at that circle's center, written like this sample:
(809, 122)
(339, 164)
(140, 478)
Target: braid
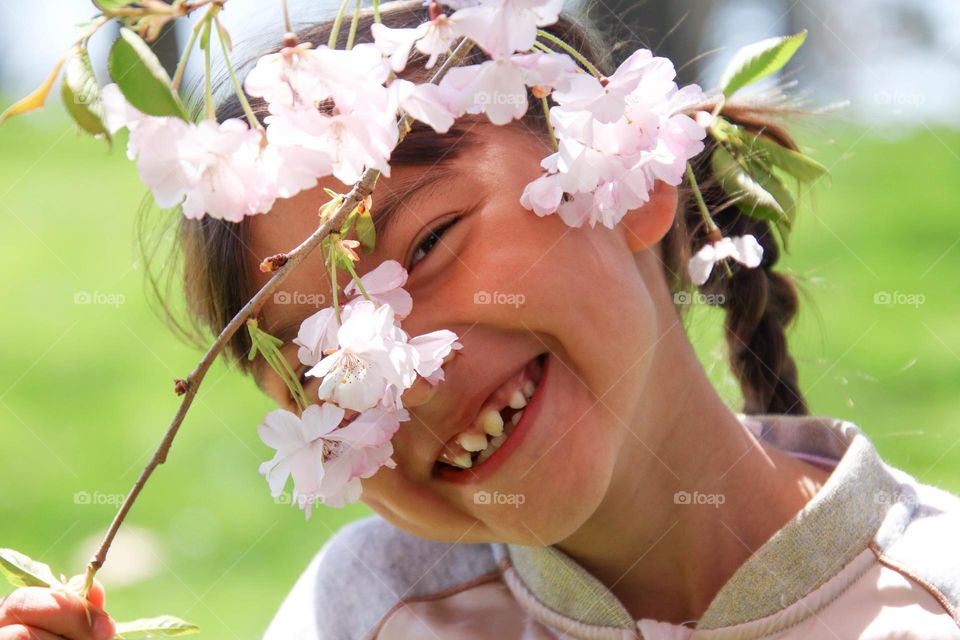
(759, 303)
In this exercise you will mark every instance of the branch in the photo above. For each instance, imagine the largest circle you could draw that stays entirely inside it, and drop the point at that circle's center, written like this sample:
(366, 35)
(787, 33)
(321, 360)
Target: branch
(191, 384)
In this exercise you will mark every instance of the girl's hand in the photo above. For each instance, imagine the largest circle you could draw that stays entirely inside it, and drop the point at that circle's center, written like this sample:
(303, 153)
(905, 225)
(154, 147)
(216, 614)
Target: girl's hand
(39, 613)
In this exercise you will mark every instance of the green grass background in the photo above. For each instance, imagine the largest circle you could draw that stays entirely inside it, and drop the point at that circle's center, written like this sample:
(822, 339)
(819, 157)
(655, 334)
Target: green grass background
(86, 390)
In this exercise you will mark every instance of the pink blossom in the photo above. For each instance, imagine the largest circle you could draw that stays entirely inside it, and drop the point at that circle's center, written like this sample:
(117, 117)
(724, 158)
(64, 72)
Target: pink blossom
(744, 249)
(210, 168)
(499, 87)
(605, 101)
(225, 177)
(301, 76)
(369, 358)
(431, 349)
(326, 460)
(543, 195)
(502, 27)
(432, 38)
(384, 284)
(351, 142)
(423, 102)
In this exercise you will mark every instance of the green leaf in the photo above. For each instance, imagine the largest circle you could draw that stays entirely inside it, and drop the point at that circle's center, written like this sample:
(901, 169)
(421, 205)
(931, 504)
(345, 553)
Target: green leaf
(141, 78)
(785, 213)
(205, 36)
(35, 99)
(759, 193)
(366, 233)
(81, 94)
(159, 627)
(798, 165)
(113, 5)
(22, 571)
(224, 35)
(757, 61)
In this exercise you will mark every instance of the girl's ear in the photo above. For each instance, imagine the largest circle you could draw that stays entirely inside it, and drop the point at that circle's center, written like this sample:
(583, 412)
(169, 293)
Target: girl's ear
(646, 226)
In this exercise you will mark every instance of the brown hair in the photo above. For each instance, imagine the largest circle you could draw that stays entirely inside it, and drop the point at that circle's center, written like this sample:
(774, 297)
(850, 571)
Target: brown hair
(759, 303)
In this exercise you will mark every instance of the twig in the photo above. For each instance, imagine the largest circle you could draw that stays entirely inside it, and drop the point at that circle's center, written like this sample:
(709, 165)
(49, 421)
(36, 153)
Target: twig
(190, 385)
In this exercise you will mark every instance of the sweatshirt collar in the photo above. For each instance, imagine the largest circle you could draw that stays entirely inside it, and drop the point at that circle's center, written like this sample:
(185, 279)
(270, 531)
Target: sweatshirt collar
(825, 535)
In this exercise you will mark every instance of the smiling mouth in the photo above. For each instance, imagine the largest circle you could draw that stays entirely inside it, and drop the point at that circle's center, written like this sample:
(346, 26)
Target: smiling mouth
(495, 422)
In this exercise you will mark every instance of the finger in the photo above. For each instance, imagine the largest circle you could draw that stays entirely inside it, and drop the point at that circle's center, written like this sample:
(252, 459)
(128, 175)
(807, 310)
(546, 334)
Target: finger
(58, 611)
(23, 632)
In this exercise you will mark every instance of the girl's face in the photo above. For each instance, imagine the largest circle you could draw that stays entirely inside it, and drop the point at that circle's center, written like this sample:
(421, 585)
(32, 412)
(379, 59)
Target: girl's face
(572, 307)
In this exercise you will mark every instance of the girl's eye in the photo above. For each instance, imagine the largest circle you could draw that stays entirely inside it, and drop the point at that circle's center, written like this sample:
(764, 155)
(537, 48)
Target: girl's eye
(429, 242)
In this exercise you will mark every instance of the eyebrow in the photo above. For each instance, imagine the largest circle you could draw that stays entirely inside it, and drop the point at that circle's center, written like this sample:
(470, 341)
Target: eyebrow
(388, 206)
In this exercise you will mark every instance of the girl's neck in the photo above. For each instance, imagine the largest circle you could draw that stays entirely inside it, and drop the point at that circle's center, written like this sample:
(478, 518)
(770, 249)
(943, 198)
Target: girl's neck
(662, 555)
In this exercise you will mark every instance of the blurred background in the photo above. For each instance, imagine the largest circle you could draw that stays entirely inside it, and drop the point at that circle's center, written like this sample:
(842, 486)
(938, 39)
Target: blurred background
(86, 368)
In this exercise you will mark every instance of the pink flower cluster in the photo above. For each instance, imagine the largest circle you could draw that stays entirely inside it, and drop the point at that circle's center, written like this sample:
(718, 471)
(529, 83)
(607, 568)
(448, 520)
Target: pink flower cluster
(617, 136)
(334, 112)
(365, 363)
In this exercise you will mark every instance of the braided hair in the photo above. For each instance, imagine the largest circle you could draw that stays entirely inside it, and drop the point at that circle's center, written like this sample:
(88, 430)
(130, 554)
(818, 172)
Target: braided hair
(759, 303)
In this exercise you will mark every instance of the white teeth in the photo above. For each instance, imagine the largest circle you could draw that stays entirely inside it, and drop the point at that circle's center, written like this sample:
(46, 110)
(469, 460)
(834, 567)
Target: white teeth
(463, 461)
(516, 418)
(528, 388)
(474, 441)
(517, 400)
(494, 444)
(491, 422)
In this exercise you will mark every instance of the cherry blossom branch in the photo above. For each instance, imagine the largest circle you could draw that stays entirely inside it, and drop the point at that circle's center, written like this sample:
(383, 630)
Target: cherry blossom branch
(222, 36)
(286, 16)
(570, 50)
(281, 266)
(713, 231)
(185, 56)
(190, 385)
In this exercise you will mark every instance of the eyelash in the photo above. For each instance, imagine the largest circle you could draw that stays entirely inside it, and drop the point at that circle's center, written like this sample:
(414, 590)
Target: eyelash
(434, 236)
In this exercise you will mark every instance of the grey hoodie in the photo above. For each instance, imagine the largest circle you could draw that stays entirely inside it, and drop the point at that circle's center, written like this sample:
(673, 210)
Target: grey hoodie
(874, 555)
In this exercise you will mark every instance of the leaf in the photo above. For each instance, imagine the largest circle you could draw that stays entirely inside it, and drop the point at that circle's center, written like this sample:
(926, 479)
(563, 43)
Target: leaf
(81, 94)
(757, 61)
(224, 35)
(205, 36)
(141, 78)
(772, 184)
(35, 99)
(759, 193)
(798, 165)
(22, 571)
(159, 627)
(113, 5)
(366, 233)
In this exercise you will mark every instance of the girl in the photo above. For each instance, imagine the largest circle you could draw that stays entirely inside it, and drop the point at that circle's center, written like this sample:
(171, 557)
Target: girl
(622, 498)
